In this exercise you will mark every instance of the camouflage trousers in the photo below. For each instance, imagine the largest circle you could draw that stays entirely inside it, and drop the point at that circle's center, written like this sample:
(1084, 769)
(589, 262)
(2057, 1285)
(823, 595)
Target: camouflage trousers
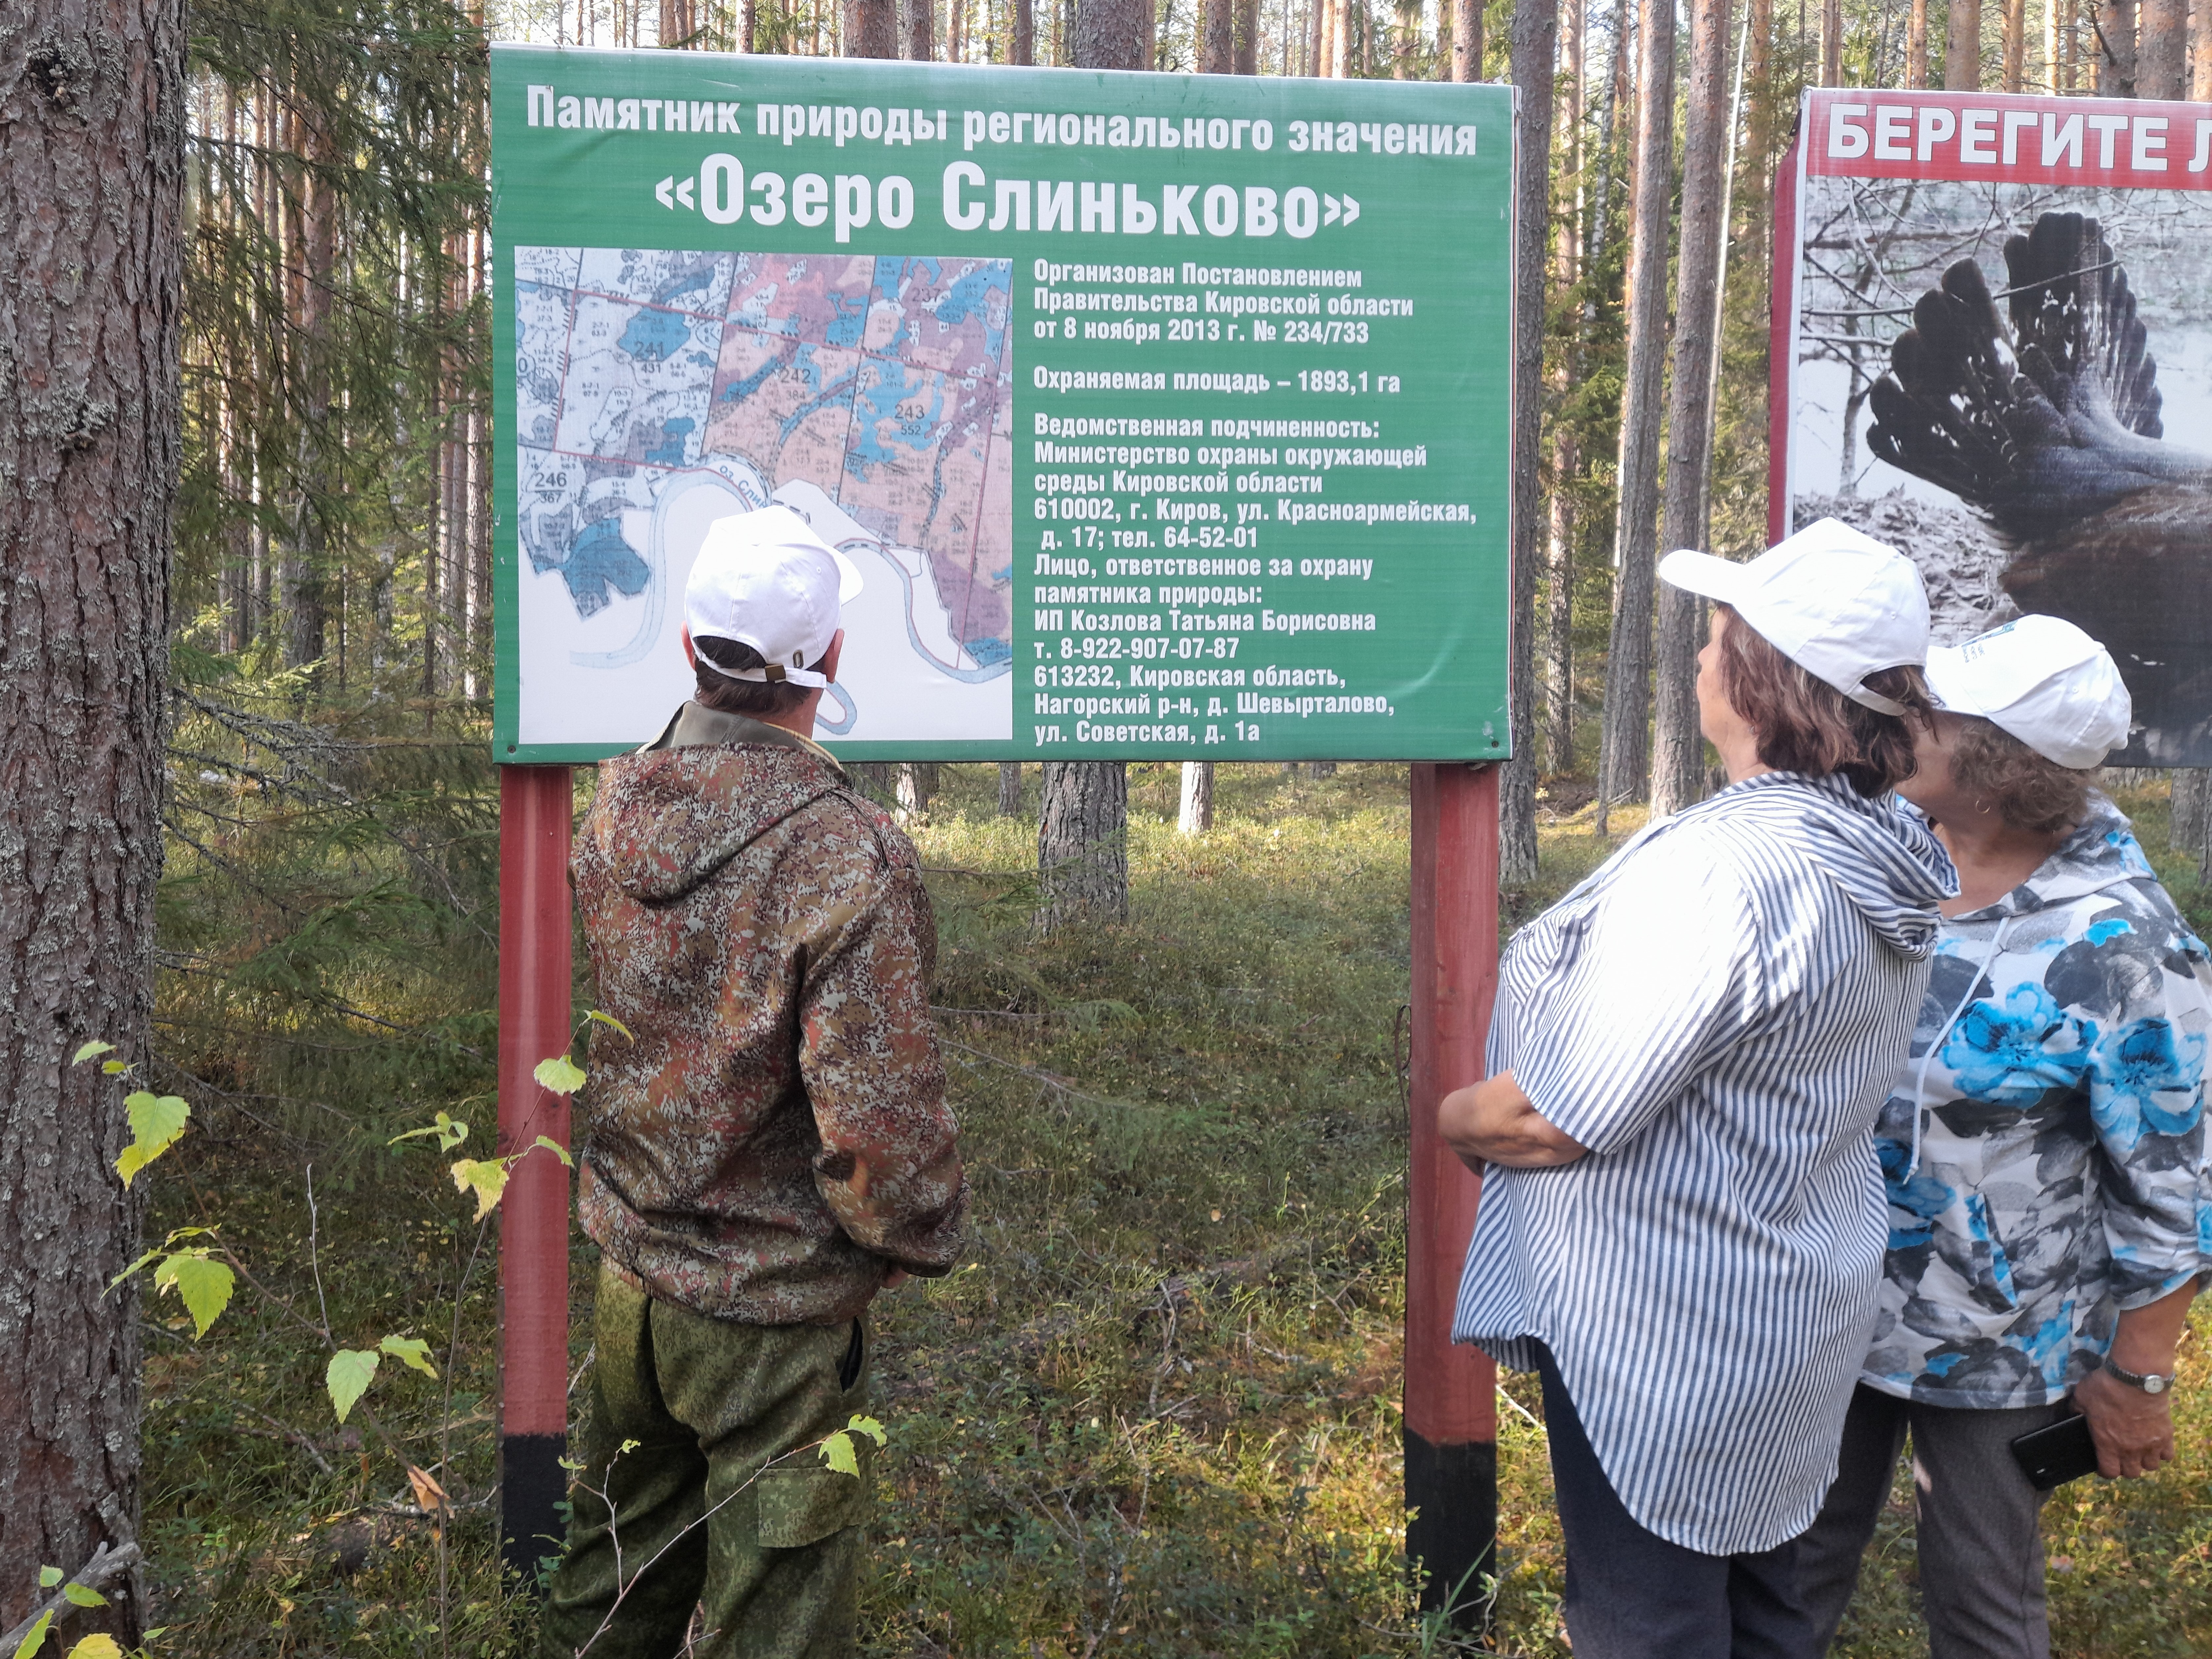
(695, 1492)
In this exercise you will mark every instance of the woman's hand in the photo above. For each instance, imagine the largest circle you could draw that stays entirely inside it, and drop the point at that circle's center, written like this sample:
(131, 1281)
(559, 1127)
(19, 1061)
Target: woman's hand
(2134, 1431)
(1493, 1122)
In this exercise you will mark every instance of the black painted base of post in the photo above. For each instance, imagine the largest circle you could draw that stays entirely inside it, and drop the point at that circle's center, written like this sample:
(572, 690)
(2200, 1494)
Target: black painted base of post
(532, 1488)
(1451, 1542)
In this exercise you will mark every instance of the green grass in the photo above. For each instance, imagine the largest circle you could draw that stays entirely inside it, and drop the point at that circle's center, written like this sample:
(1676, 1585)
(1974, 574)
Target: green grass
(1156, 1412)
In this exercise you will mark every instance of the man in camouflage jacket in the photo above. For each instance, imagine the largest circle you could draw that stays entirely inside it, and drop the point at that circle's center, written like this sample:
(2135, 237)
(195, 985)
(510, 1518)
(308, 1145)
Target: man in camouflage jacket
(770, 1149)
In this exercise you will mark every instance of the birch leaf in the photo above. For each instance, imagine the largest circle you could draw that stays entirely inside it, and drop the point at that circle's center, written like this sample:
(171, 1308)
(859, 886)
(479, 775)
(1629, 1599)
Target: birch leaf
(348, 1375)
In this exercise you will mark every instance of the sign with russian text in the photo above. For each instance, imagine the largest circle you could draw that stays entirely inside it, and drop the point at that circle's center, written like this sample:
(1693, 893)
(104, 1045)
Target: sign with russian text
(1162, 416)
(1993, 350)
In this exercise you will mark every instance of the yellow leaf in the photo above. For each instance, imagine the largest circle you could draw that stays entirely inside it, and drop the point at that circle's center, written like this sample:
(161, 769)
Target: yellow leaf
(559, 1074)
(837, 1452)
(91, 1049)
(410, 1350)
(605, 1018)
(36, 1638)
(869, 1427)
(348, 1377)
(83, 1596)
(156, 1122)
(486, 1177)
(556, 1148)
(428, 1494)
(204, 1286)
(96, 1646)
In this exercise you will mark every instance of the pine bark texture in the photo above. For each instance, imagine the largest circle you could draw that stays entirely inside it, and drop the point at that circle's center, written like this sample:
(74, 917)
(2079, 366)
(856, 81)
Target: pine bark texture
(2200, 58)
(1010, 789)
(1248, 40)
(92, 123)
(1962, 47)
(1535, 46)
(1113, 34)
(1916, 46)
(1195, 816)
(1467, 41)
(917, 788)
(920, 31)
(871, 29)
(1217, 38)
(1083, 841)
(2115, 47)
(1025, 44)
(2191, 827)
(1628, 662)
(1832, 42)
(1678, 759)
(2161, 49)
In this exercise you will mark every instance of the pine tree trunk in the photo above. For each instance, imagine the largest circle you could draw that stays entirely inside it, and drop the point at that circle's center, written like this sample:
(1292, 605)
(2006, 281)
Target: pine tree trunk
(1196, 816)
(2015, 45)
(2200, 51)
(1024, 52)
(91, 172)
(1831, 41)
(2161, 49)
(2116, 48)
(1557, 667)
(1083, 835)
(922, 31)
(1217, 38)
(871, 29)
(1962, 47)
(1535, 47)
(1915, 43)
(1248, 40)
(1083, 806)
(1467, 41)
(304, 575)
(1628, 657)
(1113, 34)
(1010, 789)
(2185, 827)
(1678, 760)
(917, 788)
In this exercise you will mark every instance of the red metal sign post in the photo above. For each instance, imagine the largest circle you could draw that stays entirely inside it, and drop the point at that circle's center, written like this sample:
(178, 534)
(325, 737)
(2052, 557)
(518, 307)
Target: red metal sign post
(537, 804)
(1451, 1408)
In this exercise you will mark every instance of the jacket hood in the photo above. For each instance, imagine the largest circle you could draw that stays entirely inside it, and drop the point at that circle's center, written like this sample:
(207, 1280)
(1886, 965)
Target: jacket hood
(1880, 854)
(712, 784)
(2102, 853)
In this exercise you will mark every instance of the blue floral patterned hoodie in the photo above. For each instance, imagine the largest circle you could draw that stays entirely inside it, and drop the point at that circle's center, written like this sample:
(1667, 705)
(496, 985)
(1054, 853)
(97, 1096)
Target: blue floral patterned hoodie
(2057, 1069)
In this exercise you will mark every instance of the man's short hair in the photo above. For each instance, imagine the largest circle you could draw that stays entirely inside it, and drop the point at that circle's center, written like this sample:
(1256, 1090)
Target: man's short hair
(718, 691)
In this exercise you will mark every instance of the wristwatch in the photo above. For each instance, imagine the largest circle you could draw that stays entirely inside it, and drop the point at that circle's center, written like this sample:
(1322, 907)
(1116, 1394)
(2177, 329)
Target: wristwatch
(2148, 1381)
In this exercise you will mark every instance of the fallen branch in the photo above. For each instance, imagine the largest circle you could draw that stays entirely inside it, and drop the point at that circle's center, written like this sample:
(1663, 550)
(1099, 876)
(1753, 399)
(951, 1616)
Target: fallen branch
(105, 1566)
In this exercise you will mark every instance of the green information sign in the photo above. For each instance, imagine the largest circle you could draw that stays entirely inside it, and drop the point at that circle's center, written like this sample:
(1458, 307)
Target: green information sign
(1164, 416)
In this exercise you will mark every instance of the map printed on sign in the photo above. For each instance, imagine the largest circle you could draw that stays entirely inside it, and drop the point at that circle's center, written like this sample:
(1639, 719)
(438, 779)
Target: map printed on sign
(656, 393)
(1159, 415)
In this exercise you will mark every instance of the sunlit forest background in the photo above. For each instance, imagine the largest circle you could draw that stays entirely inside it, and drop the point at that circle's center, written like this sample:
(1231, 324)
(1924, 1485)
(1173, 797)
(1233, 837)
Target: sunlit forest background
(1157, 1415)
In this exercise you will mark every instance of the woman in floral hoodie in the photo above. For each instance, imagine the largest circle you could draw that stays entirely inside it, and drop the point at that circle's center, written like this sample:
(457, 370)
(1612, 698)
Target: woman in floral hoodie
(2044, 1150)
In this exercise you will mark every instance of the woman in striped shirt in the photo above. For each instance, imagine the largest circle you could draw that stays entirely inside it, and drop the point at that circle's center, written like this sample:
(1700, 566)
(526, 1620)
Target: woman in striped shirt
(1681, 1224)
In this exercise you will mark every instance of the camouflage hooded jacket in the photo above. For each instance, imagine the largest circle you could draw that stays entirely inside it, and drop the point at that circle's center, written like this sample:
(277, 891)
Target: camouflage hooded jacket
(2058, 1071)
(775, 1138)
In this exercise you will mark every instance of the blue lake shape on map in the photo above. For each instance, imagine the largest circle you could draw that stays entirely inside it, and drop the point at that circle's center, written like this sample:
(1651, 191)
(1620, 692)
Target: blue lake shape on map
(670, 451)
(989, 651)
(654, 336)
(598, 559)
(852, 320)
(699, 282)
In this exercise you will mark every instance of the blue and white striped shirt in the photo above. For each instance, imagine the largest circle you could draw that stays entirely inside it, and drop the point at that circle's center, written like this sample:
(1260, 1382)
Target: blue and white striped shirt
(1718, 1014)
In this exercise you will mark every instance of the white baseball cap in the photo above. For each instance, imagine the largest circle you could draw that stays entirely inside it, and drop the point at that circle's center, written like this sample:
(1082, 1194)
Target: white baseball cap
(1835, 602)
(765, 580)
(2045, 681)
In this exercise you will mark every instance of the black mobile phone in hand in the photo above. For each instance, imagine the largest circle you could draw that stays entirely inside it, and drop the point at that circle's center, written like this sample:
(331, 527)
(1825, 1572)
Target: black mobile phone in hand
(2052, 1456)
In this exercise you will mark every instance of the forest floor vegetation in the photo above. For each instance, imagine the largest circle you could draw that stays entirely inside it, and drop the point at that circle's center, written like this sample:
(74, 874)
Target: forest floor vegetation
(1156, 1410)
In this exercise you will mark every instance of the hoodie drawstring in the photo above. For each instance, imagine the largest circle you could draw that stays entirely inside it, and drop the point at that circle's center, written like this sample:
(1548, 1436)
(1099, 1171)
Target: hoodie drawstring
(1920, 1078)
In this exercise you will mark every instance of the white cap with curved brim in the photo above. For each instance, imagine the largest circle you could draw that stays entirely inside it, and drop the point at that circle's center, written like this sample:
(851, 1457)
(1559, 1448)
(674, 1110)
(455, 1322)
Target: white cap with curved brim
(2045, 682)
(1835, 602)
(765, 580)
